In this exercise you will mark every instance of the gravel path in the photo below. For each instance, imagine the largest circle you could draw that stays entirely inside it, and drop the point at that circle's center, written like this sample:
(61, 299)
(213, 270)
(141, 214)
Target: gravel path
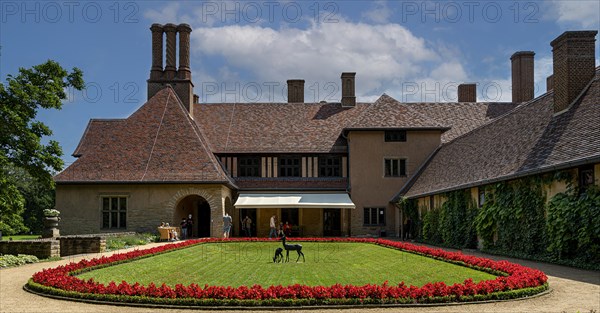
(573, 290)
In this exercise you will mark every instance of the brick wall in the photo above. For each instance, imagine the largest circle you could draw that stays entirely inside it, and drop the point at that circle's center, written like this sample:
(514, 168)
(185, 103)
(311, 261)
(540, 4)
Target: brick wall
(72, 245)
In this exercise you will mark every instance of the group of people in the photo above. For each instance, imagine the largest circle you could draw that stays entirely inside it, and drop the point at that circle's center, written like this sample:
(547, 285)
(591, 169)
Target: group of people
(187, 227)
(279, 230)
(173, 235)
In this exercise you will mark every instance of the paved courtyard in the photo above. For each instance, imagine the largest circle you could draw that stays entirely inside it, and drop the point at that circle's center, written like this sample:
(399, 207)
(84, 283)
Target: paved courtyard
(573, 290)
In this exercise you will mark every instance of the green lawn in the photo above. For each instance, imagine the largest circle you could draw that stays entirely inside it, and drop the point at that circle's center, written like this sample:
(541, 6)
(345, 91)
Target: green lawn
(248, 263)
(20, 237)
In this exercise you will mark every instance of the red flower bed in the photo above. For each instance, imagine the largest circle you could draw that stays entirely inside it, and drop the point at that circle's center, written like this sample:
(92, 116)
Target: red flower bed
(517, 277)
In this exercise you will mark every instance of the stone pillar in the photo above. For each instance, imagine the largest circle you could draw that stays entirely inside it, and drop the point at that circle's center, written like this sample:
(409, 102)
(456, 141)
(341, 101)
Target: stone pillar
(170, 69)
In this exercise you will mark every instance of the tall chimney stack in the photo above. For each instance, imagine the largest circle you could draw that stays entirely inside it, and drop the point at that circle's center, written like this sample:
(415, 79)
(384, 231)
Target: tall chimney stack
(522, 76)
(348, 89)
(295, 90)
(573, 57)
(549, 81)
(170, 69)
(157, 51)
(467, 93)
(179, 79)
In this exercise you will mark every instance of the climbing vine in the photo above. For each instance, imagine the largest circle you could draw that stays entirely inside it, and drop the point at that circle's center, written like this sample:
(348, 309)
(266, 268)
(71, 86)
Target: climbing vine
(573, 224)
(512, 217)
(453, 223)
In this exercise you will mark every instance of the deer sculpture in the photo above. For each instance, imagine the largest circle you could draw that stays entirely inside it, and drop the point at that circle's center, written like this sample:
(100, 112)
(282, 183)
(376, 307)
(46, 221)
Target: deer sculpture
(294, 247)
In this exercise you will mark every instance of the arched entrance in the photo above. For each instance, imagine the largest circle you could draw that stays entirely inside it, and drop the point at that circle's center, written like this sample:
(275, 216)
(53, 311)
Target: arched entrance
(199, 208)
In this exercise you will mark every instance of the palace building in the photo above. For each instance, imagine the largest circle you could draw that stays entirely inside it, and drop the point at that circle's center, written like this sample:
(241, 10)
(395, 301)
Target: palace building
(329, 169)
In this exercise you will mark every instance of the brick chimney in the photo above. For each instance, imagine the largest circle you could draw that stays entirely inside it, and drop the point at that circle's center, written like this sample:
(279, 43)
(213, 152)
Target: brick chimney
(348, 90)
(467, 93)
(549, 81)
(180, 78)
(295, 90)
(522, 76)
(573, 57)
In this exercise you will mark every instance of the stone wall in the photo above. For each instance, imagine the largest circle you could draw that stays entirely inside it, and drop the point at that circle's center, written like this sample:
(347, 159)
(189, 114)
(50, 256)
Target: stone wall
(43, 248)
(71, 245)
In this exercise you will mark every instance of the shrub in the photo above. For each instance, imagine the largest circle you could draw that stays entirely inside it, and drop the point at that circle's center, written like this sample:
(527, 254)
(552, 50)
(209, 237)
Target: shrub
(20, 259)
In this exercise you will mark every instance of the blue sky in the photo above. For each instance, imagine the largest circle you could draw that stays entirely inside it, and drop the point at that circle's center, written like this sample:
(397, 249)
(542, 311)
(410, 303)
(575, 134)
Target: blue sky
(244, 51)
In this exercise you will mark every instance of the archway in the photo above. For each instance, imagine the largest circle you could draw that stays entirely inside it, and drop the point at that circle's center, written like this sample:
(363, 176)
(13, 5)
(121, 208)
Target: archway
(199, 208)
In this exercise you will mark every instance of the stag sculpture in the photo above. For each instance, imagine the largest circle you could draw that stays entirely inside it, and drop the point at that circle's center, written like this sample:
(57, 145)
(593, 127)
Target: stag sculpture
(294, 247)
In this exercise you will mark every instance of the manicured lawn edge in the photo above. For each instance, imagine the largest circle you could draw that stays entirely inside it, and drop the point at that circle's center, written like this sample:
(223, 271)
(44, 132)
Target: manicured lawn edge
(514, 281)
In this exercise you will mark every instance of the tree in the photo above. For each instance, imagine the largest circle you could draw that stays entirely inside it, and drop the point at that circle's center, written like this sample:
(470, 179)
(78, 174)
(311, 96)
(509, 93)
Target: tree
(42, 86)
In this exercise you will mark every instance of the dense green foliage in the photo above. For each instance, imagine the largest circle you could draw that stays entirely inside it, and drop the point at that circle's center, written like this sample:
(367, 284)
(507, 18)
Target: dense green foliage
(249, 263)
(514, 212)
(516, 220)
(574, 224)
(21, 148)
(120, 242)
(16, 260)
(453, 223)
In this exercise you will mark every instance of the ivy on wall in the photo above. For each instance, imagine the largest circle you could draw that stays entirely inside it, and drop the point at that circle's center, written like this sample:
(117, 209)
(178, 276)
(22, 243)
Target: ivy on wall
(573, 224)
(513, 216)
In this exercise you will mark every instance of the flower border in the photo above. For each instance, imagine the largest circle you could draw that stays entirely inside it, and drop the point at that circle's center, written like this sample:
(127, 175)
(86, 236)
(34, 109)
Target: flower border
(513, 281)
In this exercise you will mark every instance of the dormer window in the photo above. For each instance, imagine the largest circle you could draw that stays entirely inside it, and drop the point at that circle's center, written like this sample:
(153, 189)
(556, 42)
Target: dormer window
(395, 135)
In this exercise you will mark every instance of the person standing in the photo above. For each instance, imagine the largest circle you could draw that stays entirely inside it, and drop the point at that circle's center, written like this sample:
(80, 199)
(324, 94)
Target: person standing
(247, 223)
(226, 225)
(273, 226)
(183, 226)
(190, 226)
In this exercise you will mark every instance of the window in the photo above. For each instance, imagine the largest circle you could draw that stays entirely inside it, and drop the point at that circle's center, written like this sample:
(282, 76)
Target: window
(329, 166)
(394, 167)
(249, 166)
(395, 135)
(481, 196)
(586, 177)
(374, 217)
(431, 203)
(114, 212)
(289, 167)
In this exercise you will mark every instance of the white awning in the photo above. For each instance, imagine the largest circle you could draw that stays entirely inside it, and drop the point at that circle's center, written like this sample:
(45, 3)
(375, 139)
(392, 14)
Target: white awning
(294, 200)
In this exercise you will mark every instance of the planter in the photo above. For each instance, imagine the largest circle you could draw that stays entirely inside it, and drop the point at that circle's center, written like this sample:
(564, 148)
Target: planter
(51, 227)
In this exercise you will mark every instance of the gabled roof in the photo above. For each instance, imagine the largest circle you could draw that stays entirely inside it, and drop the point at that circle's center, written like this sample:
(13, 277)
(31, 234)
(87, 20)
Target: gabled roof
(528, 140)
(157, 143)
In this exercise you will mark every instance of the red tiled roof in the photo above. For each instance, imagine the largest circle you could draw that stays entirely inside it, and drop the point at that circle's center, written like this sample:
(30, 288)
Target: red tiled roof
(529, 139)
(157, 143)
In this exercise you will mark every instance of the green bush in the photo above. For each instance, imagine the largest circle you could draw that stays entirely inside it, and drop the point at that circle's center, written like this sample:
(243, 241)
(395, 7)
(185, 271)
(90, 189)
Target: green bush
(20, 259)
(120, 242)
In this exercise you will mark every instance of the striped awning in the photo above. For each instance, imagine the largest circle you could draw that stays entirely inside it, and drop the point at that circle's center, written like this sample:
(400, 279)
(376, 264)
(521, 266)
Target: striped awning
(294, 200)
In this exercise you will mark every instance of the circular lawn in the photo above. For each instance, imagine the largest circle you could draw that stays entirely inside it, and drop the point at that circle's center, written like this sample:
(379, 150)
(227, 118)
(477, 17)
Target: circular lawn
(241, 272)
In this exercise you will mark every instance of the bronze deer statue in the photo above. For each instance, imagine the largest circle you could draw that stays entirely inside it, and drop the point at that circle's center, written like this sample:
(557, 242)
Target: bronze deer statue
(294, 247)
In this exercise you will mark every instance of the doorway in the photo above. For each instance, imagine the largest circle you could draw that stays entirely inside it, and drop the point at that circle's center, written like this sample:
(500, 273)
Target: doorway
(251, 213)
(332, 222)
(203, 224)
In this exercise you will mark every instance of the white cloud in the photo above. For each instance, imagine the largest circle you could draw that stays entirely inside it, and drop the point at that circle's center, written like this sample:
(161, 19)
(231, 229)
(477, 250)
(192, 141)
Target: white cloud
(380, 13)
(542, 69)
(582, 13)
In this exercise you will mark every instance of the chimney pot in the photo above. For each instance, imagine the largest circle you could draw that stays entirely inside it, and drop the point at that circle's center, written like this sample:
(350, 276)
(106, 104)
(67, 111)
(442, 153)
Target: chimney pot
(467, 93)
(573, 58)
(522, 76)
(295, 90)
(348, 89)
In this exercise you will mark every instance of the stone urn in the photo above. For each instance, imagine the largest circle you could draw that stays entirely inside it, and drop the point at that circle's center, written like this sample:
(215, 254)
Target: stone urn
(51, 227)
